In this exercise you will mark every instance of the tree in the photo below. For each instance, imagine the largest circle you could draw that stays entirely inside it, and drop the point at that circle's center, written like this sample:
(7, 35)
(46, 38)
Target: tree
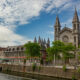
(79, 53)
(54, 51)
(67, 52)
(32, 49)
(59, 48)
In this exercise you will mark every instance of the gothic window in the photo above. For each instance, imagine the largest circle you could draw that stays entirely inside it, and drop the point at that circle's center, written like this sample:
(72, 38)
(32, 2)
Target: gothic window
(78, 25)
(75, 39)
(56, 30)
(65, 39)
(74, 26)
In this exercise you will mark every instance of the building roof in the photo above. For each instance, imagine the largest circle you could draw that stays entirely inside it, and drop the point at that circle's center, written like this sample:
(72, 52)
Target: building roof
(66, 29)
(75, 18)
(57, 23)
(2, 49)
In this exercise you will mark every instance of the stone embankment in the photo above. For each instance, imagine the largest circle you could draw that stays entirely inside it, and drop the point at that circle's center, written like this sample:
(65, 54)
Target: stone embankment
(46, 71)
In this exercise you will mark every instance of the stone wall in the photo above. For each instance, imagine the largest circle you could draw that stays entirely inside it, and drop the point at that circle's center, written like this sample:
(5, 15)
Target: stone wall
(49, 71)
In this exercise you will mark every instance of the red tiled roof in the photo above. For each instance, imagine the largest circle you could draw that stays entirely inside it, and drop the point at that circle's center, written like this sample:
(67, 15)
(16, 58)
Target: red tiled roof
(2, 49)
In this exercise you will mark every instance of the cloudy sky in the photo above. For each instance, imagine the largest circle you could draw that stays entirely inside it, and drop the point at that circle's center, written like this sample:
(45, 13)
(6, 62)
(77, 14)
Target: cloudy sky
(22, 20)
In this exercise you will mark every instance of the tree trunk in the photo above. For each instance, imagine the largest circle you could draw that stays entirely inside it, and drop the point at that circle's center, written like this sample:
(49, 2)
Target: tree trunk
(54, 59)
(24, 65)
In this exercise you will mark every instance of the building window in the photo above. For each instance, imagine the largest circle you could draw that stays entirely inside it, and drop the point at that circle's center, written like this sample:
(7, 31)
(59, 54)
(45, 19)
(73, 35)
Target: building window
(74, 26)
(9, 49)
(22, 48)
(75, 39)
(13, 49)
(65, 39)
(18, 48)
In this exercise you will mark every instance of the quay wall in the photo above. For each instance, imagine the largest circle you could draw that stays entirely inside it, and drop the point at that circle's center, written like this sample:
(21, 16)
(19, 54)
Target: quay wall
(47, 71)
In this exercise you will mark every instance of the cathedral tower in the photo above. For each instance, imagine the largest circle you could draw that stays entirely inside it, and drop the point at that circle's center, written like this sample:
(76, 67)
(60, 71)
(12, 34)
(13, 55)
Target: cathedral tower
(57, 28)
(76, 29)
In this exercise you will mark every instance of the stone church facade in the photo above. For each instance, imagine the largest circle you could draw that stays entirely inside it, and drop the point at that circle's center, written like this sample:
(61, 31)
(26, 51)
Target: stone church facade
(66, 34)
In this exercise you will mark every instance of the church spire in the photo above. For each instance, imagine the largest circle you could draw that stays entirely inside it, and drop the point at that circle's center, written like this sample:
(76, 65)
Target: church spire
(76, 28)
(35, 40)
(75, 18)
(39, 40)
(44, 41)
(57, 28)
(57, 23)
(48, 43)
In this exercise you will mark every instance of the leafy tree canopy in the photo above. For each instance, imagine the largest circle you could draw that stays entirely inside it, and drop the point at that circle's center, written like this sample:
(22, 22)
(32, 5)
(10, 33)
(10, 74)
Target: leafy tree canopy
(58, 48)
(32, 49)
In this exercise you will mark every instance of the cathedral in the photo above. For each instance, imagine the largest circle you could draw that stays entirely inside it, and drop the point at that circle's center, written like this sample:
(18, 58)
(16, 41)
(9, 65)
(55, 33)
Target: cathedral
(66, 34)
(42, 42)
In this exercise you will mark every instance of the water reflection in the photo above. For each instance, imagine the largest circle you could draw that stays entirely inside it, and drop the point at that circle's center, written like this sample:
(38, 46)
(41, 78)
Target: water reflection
(10, 77)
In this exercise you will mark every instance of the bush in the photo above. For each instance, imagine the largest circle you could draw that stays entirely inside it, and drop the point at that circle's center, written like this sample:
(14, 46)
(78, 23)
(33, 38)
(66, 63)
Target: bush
(78, 70)
(24, 61)
(64, 68)
(41, 61)
(39, 68)
(73, 77)
(8, 70)
(34, 67)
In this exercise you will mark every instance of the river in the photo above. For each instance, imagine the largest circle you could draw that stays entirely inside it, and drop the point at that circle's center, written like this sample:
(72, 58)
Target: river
(10, 77)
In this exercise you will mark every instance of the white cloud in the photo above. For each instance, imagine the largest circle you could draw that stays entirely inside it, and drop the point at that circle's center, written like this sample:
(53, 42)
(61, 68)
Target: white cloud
(8, 37)
(14, 13)
(66, 6)
(68, 23)
(51, 26)
(57, 4)
(51, 32)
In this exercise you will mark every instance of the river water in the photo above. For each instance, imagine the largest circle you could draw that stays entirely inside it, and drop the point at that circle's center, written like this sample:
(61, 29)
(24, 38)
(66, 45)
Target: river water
(10, 77)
